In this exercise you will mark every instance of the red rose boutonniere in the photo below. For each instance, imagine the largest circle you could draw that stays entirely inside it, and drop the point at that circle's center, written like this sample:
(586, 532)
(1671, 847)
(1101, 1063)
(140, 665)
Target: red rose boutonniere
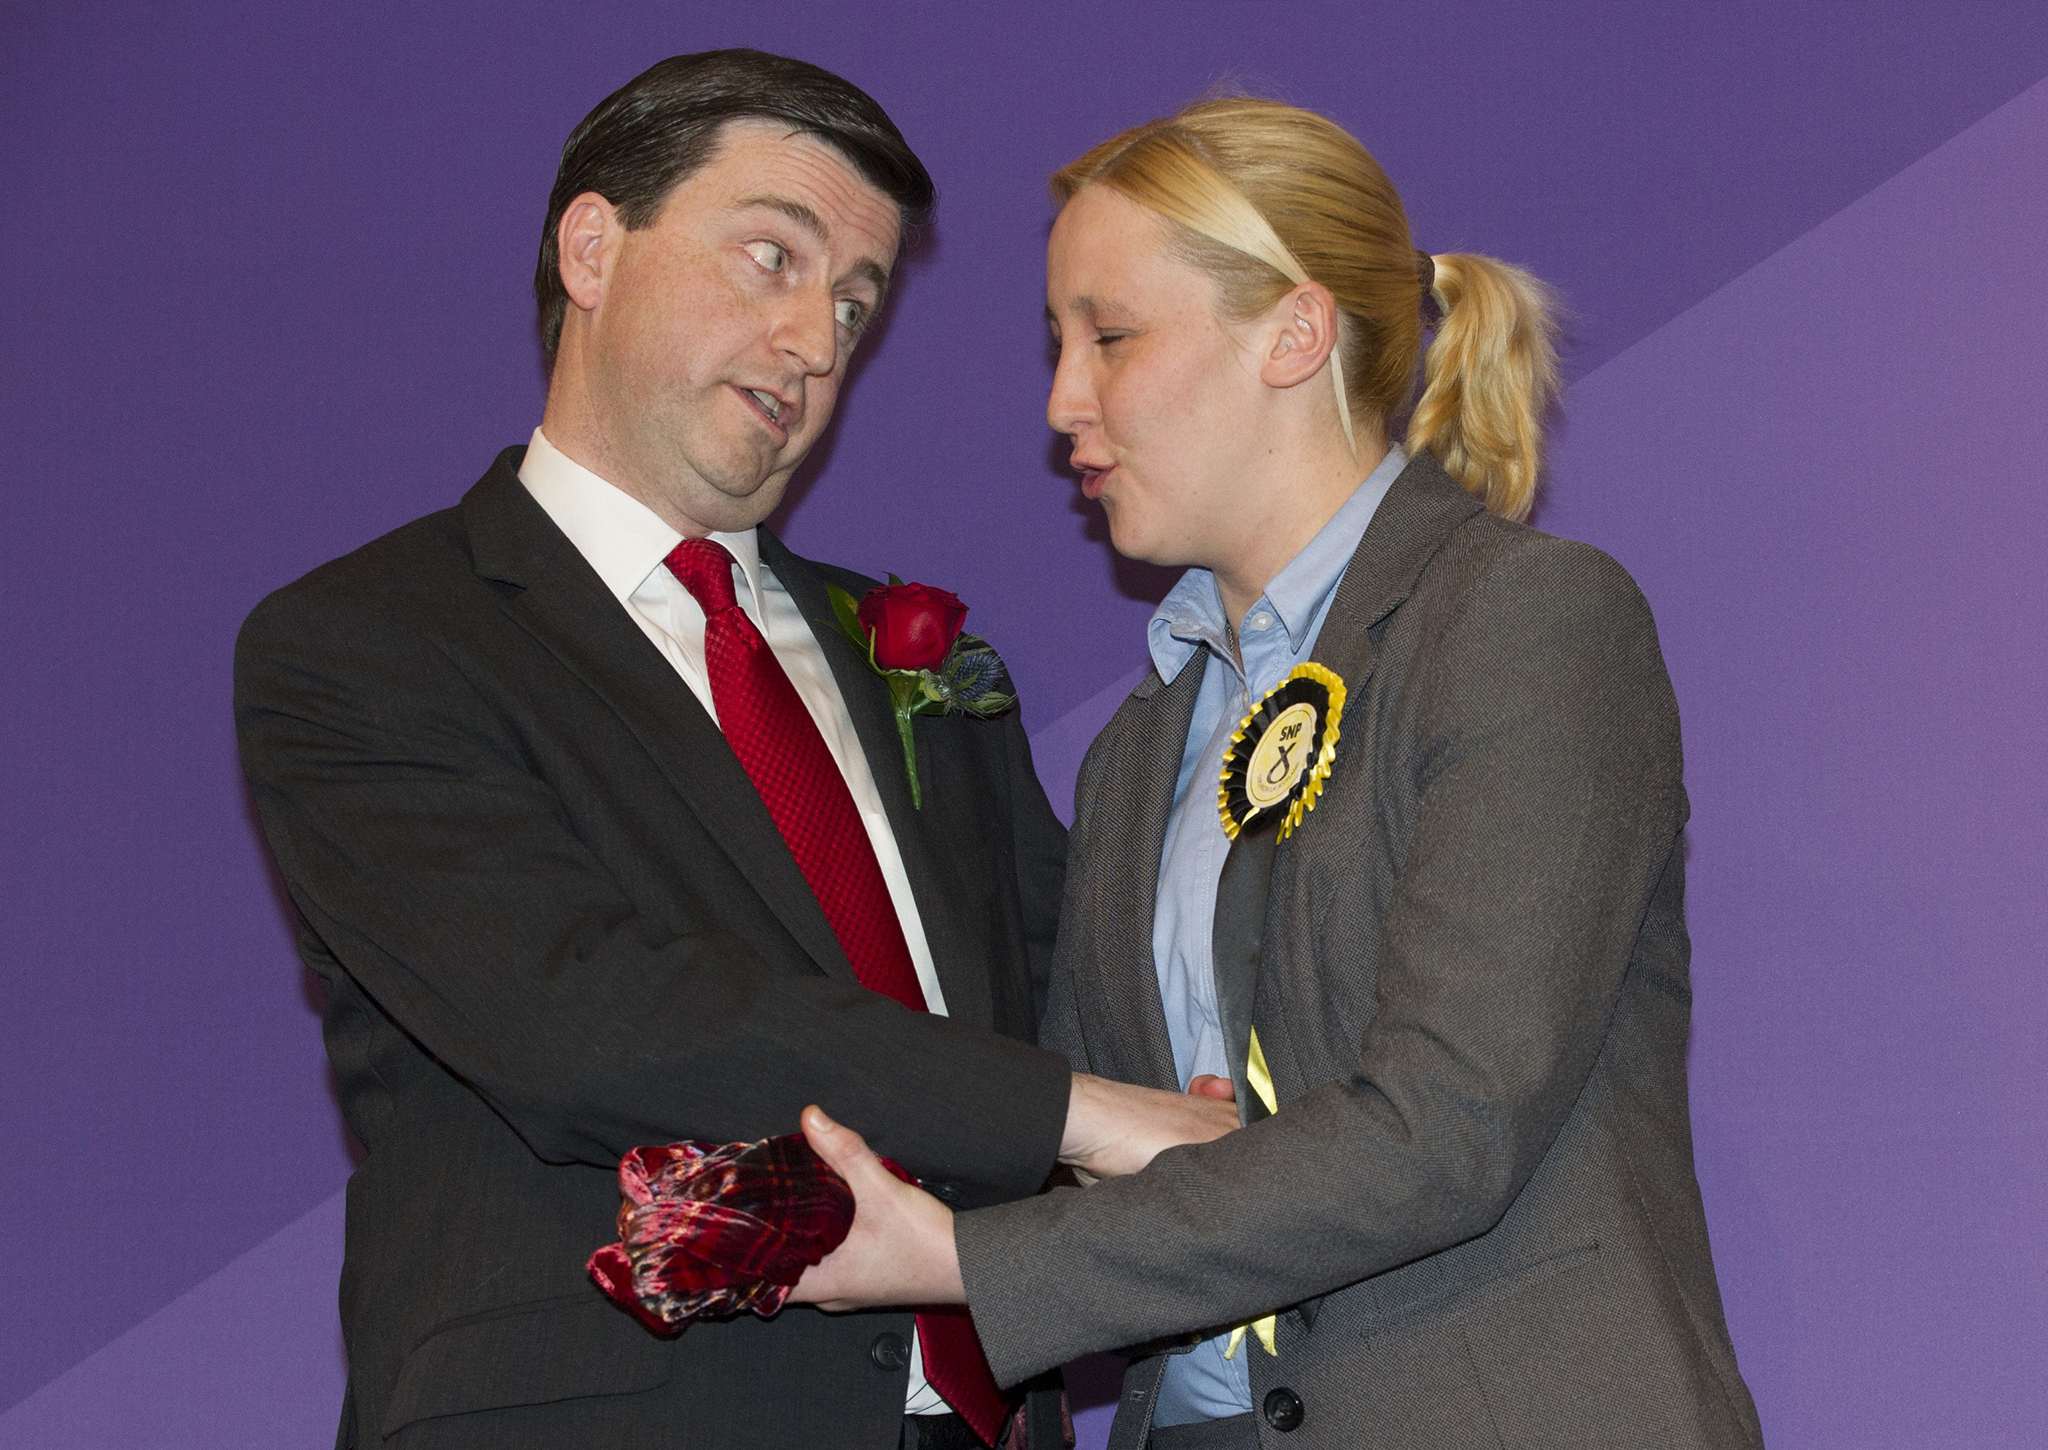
(912, 637)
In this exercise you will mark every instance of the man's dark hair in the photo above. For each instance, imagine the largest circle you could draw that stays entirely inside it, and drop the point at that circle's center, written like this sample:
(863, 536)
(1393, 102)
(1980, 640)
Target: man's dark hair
(648, 136)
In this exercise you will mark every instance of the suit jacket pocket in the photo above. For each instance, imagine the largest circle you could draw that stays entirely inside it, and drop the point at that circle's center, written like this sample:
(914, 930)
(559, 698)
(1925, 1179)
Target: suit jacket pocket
(527, 1354)
(1565, 1358)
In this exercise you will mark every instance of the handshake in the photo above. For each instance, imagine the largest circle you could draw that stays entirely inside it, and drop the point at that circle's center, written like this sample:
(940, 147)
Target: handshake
(717, 1229)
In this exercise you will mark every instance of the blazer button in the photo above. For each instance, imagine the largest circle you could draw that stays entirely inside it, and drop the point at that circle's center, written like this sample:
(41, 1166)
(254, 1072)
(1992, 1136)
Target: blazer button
(1283, 1409)
(889, 1351)
(943, 1192)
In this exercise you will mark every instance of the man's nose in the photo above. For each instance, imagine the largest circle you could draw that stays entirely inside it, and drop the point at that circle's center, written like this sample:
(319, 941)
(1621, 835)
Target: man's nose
(808, 332)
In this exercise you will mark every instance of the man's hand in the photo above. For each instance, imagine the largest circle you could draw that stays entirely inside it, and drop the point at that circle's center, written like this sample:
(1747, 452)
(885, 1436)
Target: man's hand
(1114, 1128)
(900, 1249)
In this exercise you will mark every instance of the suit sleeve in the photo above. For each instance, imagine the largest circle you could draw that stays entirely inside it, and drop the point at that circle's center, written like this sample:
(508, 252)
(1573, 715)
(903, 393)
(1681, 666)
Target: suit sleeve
(1040, 847)
(1550, 802)
(445, 875)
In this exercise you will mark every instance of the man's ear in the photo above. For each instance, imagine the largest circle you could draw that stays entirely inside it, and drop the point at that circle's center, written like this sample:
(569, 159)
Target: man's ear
(1303, 330)
(586, 240)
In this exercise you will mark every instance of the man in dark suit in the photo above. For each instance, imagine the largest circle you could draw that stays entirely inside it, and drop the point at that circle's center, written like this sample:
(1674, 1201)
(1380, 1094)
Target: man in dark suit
(595, 841)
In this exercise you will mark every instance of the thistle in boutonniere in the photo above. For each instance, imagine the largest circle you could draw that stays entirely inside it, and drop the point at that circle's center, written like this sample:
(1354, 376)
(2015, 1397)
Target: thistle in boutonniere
(912, 637)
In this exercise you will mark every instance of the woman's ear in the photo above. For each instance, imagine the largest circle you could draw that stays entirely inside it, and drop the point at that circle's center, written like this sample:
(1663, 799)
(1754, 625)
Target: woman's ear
(585, 241)
(1303, 330)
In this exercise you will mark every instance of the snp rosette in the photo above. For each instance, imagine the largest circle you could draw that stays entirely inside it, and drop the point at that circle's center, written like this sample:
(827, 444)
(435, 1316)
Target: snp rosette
(1282, 753)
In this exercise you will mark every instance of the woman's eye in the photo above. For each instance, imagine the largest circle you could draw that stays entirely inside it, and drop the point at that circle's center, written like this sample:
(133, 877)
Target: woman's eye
(1109, 339)
(851, 314)
(771, 257)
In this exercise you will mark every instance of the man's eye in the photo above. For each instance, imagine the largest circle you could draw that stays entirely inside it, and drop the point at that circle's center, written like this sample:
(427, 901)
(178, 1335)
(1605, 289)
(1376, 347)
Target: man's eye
(1109, 339)
(771, 257)
(851, 314)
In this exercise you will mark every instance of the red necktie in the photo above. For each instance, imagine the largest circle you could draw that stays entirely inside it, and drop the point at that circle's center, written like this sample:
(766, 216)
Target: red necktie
(771, 731)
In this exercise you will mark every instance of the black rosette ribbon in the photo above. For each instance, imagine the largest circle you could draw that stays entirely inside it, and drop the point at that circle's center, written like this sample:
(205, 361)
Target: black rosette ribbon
(1282, 753)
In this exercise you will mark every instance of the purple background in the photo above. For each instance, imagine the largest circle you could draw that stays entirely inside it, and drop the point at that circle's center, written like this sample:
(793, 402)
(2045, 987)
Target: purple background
(267, 295)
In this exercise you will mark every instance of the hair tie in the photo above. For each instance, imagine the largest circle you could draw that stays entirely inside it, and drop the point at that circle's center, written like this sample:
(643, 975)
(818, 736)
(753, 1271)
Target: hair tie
(1425, 273)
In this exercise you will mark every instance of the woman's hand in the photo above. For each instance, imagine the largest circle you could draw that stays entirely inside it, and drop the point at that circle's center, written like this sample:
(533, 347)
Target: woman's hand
(900, 1249)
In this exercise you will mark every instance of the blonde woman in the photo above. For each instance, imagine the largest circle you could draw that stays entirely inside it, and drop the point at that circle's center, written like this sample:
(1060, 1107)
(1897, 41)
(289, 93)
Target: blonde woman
(1388, 846)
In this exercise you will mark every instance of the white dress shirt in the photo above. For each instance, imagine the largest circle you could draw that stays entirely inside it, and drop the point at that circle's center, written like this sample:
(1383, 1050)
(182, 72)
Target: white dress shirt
(625, 542)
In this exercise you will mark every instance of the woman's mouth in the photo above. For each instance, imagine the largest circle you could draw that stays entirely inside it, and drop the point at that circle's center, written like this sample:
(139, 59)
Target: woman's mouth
(1093, 479)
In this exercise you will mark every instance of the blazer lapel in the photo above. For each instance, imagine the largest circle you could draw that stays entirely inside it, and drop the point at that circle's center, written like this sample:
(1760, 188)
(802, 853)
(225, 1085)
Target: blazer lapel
(564, 605)
(959, 958)
(1126, 822)
(1421, 510)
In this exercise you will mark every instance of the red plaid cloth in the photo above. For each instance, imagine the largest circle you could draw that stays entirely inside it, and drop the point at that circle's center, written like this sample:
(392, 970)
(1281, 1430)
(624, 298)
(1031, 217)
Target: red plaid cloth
(710, 1229)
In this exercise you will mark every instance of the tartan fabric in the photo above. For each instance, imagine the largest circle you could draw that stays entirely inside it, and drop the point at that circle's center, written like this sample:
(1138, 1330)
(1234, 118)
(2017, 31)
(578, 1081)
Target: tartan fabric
(771, 731)
(720, 1229)
(710, 1229)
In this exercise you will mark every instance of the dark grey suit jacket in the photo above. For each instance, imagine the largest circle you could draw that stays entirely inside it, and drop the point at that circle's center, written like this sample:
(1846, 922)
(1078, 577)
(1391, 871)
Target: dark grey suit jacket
(554, 920)
(1476, 1208)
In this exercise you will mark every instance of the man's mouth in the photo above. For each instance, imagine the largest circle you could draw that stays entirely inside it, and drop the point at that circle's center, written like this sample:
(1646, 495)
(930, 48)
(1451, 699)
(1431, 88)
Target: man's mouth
(1093, 477)
(774, 410)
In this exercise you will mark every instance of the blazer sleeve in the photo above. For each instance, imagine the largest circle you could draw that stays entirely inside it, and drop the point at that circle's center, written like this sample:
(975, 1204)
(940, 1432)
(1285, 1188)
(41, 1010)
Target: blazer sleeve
(445, 875)
(1550, 802)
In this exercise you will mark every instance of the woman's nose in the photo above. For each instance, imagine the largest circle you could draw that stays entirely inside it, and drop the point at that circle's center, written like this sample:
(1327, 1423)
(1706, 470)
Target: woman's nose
(1072, 402)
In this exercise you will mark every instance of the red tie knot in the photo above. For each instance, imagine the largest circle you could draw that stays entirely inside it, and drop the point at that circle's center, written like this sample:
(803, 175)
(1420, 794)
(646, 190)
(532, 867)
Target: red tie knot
(705, 569)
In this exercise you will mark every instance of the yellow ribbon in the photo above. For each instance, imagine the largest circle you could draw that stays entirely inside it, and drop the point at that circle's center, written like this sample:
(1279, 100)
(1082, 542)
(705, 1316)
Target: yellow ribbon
(1261, 1080)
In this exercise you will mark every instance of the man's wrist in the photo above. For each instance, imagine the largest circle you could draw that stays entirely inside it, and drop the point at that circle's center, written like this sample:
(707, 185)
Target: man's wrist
(1081, 1137)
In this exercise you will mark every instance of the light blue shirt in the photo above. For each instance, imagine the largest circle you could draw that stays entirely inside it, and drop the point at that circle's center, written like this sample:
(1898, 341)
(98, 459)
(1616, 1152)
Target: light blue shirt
(1276, 634)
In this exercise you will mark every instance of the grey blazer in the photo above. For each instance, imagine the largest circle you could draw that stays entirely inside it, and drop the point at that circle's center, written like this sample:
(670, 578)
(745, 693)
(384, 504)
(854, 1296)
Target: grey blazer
(1475, 1209)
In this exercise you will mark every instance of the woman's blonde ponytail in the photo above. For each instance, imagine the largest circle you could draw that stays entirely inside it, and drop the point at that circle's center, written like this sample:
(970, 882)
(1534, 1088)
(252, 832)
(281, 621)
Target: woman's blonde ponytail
(1488, 380)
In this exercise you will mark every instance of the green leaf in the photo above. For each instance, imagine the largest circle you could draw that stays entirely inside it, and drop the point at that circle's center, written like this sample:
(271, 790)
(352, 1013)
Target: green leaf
(893, 580)
(846, 615)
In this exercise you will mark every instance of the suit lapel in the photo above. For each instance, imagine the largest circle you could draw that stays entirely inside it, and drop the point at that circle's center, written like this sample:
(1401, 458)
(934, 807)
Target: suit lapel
(1127, 820)
(1421, 510)
(565, 606)
(962, 963)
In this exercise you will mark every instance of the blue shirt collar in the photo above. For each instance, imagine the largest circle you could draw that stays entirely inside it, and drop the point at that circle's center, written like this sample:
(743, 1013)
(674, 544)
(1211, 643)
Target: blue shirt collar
(1191, 615)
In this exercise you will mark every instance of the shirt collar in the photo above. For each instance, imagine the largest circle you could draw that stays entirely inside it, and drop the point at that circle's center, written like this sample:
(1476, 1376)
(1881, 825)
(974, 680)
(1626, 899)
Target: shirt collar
(1191, 615)
(621, 538)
